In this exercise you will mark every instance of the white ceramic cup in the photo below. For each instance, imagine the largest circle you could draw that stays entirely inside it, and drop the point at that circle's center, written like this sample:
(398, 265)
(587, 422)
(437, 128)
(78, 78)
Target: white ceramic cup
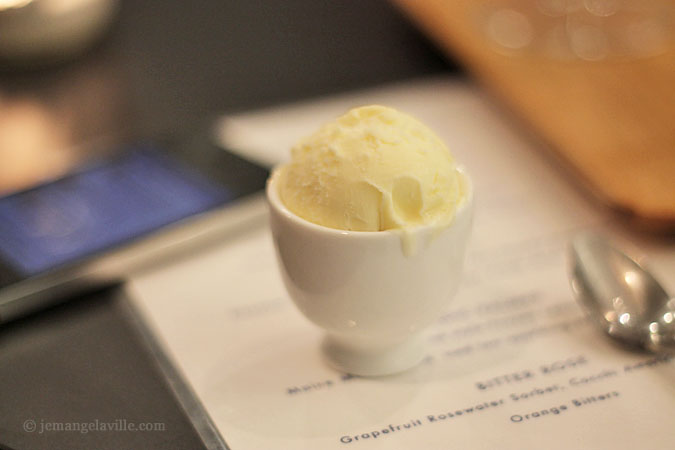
(373, 298)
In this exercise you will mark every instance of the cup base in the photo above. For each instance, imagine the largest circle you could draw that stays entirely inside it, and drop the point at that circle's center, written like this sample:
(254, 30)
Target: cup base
(371, 361)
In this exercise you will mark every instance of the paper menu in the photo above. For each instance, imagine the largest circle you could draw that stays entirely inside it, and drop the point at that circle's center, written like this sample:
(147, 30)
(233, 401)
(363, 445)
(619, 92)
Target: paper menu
(513, 363)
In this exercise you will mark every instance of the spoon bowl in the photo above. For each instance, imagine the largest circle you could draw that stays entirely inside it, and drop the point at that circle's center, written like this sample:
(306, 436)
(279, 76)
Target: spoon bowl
(620, 295)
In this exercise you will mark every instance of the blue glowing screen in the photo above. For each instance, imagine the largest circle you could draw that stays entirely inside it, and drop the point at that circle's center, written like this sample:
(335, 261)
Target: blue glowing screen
(100, 207)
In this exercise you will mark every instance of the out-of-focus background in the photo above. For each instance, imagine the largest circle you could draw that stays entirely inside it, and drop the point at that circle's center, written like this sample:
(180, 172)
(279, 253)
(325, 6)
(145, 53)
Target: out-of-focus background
(591, 77)
(151, 68)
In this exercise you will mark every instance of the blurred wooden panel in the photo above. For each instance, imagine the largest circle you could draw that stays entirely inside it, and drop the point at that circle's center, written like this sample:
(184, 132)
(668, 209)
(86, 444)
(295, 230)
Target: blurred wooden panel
(611, 119)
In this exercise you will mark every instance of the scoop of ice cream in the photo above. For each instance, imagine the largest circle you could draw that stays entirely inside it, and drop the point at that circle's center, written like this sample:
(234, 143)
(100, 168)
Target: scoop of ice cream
(372, 169)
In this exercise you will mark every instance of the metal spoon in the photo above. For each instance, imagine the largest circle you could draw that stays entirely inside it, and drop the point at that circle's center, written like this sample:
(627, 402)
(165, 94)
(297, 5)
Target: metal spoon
(620, 295)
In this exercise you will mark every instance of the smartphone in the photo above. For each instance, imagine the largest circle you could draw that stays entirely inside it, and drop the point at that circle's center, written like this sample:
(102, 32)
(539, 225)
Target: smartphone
(116, 215)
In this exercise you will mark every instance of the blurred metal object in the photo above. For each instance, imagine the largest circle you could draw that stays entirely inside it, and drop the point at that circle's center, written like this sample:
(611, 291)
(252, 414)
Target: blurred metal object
(34, 32)
(620, 295)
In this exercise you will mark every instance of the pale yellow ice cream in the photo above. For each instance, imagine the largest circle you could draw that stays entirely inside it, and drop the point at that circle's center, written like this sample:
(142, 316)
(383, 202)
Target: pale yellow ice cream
(372, 169)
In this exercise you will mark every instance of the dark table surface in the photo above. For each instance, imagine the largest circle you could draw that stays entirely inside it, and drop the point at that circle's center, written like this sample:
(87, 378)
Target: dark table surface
(165, 67)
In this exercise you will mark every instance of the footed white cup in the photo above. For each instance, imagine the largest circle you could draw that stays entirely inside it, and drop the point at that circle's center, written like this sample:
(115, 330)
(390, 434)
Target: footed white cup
(372, 292)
